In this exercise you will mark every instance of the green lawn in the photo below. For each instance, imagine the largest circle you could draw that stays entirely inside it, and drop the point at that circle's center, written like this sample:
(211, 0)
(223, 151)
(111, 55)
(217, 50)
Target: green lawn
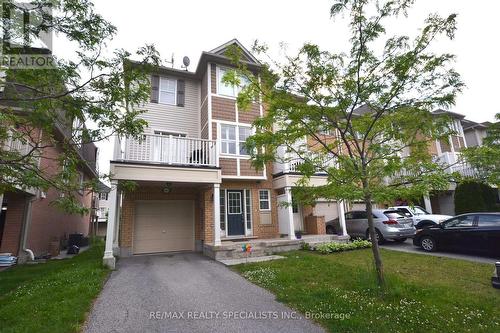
(425, 293)
(51, 297)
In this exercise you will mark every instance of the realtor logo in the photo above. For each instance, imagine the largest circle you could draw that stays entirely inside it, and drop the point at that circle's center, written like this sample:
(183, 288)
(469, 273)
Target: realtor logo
(26, 34)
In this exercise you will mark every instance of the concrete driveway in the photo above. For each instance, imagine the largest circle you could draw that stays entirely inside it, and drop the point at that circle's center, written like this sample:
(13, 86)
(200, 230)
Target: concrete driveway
(408, 247)
(187, 292)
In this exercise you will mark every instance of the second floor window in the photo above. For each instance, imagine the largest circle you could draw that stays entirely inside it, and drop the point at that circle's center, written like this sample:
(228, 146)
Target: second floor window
(168, 91)
(227, 89)
(233, 139)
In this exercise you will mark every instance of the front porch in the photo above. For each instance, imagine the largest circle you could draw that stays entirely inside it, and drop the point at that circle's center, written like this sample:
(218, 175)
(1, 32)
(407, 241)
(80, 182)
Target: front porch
(230, 249)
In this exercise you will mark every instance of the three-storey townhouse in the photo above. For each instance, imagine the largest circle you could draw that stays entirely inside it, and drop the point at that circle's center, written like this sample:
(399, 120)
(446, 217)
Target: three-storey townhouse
(196, 187)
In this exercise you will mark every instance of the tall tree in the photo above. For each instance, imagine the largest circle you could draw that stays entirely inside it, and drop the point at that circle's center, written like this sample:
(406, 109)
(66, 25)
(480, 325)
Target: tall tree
(88, 87)
(365, 113)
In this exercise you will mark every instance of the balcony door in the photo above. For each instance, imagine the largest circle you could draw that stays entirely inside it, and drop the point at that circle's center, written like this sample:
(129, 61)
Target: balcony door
(162, 148)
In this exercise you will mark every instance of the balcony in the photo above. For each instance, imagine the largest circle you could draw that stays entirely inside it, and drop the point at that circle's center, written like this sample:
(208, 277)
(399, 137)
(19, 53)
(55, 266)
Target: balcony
(289, 162)
(166, 158)
(171, 150)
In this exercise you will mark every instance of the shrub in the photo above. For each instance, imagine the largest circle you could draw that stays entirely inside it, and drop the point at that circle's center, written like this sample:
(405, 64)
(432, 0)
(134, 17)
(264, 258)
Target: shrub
(471, 196)
(338, 247)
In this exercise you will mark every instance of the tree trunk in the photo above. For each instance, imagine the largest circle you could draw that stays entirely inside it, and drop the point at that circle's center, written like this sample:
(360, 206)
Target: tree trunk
(379, 266)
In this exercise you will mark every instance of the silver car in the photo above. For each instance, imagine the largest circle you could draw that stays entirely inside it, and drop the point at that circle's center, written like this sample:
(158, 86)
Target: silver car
(389, 224)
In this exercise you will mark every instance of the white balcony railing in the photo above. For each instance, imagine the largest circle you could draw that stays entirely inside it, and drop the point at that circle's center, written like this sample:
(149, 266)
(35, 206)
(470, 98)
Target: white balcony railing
(169, 149)
(290, 162)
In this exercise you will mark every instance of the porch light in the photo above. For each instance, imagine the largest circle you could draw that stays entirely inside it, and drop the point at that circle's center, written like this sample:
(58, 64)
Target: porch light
(167, 188)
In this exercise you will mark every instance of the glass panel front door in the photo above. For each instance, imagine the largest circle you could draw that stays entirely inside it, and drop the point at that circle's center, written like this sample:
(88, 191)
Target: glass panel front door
(235, 214)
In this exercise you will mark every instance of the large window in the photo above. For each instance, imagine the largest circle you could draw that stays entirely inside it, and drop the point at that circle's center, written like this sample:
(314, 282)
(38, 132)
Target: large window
(244, 133)
(168, 91)
(228, 139)
(264, 200)
(233, 139)
(227, 89)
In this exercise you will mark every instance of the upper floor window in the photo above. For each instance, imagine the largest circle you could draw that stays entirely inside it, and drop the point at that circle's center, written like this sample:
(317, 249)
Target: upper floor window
(233, 139)
(103, 196)
(168, 91)
(228, 89)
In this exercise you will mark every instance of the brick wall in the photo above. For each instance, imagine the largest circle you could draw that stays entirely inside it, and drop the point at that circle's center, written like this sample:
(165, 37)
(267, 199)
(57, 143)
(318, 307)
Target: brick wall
(13, 222)
(259, 230)
(315, 225)
(48, 222)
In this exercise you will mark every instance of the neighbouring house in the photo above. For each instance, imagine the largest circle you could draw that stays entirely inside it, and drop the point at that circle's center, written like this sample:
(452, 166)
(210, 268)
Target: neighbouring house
(101, 208)
(475, 132)
(29, 223)
(196, 187)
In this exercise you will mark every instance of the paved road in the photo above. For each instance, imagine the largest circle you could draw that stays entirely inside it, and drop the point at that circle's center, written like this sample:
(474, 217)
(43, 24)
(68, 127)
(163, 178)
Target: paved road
(410, 248)
(186, 286)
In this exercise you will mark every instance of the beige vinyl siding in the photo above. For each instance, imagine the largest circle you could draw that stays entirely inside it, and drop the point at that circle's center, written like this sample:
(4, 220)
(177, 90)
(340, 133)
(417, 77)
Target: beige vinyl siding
(173, 118)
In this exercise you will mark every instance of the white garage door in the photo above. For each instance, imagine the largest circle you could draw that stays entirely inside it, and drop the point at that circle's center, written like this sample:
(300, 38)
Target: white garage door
(326, 209)
(162, 226)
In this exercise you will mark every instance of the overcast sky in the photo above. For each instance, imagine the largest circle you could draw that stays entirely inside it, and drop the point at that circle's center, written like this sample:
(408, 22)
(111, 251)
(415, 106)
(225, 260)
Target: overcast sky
(188, 27)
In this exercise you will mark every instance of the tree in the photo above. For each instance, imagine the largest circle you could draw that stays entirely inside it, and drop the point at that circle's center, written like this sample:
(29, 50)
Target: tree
(87, 88)
(365, 113)
(472, 196)
(486, 158)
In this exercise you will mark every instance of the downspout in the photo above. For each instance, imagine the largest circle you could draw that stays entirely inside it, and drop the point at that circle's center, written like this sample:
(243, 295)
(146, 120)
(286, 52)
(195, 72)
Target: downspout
(26, 226)
(27, 217)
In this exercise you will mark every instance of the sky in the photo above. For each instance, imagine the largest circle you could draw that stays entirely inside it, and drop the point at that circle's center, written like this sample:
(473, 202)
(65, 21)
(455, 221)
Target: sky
(188, 27)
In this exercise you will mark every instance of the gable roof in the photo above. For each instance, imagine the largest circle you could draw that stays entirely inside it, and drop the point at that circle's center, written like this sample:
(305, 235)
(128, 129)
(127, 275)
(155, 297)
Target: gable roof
(453, 114)
(219, 50)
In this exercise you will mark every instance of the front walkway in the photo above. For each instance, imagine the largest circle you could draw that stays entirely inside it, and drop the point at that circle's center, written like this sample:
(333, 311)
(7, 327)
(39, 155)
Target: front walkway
(187, 292)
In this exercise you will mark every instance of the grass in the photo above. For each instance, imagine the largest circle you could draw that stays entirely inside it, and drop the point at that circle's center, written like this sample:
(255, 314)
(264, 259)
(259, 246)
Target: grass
(425, 293)
(51, 297)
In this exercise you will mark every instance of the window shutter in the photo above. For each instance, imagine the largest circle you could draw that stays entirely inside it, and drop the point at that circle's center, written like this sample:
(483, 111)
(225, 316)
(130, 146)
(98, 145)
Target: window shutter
(180, 92)
(155, 85)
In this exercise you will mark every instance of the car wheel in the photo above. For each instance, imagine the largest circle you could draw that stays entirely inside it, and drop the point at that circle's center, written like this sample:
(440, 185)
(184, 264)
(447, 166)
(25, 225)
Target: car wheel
(380, 238)
(400, 240)
(330, 230)
(428, 244)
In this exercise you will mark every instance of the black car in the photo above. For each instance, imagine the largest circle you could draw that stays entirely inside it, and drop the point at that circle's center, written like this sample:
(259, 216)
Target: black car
(474, 232)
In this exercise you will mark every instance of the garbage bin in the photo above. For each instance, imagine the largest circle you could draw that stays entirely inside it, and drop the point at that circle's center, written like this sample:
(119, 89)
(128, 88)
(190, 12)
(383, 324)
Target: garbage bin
(75, 239)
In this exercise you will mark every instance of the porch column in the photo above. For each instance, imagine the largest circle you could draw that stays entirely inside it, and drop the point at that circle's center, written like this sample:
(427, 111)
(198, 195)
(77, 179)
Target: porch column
(341, 210)
(291, 226)
(427, 204)
(116, 244)
(217, 214)
(109, 259)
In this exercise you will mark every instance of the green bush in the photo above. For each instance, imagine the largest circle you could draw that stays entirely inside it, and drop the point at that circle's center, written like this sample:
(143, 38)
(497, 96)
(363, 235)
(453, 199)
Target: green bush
(471, 196)
(338, 247)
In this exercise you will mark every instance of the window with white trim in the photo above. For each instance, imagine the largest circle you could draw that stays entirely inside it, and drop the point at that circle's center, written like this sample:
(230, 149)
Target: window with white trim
(233, 139)
(168, 91)
(228, 89)
(228, 139)
(244, 133)
(264, 200)
(248, 208)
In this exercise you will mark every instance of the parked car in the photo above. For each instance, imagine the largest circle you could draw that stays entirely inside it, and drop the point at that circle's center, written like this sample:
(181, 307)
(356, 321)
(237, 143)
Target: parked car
(474, 232)
(421, 218)
(495, 280)
(389, 224)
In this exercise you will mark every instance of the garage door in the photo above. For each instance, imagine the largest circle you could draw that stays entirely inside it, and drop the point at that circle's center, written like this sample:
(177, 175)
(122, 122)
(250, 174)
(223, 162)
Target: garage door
(326, 209)
(162, 226)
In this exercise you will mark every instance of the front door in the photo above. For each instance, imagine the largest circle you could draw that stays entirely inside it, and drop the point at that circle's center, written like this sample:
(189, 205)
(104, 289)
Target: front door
(235, 214)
